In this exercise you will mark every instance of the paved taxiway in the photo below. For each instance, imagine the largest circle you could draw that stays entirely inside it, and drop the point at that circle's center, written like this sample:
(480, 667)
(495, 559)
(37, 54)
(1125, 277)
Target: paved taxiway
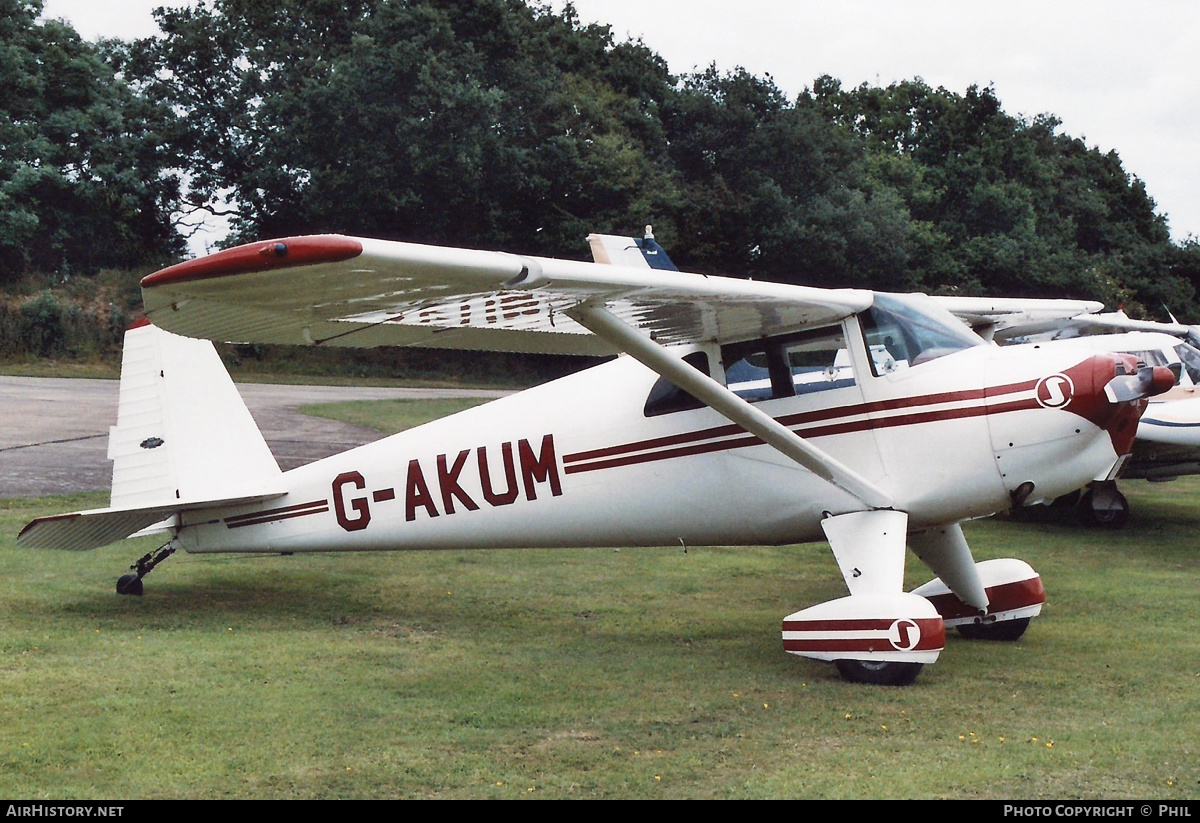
(54, 431)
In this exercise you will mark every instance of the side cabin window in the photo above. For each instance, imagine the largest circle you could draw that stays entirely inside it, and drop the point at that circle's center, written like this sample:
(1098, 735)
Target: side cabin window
(788, 366)
(665, 397)
(1191, 361)
(900, 334)
(1151, 357)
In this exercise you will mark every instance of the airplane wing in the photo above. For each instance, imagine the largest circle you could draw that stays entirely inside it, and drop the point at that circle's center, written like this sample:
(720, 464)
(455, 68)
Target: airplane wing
(1002, 318)
(1114, 323)
(344, 291)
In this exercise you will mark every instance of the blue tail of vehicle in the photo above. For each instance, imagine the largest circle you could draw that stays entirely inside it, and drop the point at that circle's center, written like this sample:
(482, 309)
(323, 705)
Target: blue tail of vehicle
(638, 252)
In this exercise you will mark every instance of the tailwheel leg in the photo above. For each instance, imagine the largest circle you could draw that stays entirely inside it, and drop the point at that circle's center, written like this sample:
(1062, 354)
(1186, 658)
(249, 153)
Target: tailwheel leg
(132, 583)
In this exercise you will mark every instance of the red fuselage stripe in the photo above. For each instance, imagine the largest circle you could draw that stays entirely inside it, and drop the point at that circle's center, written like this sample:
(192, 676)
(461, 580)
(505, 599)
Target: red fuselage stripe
(659, 448)
(285, 513)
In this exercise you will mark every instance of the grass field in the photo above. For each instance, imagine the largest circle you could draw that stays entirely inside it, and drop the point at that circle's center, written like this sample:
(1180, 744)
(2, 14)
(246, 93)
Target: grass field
(639, 673)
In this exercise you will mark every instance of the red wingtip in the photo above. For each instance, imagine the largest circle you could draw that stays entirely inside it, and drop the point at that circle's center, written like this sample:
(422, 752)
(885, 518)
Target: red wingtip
(261, 256)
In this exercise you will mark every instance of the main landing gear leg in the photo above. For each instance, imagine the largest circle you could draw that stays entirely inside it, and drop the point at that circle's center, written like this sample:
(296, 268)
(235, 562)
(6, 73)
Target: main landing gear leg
(991, 600)
(879, 634)
(132, 583)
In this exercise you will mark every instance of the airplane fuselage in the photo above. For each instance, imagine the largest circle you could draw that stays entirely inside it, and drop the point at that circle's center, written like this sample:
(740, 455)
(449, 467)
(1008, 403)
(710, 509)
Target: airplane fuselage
(577, 462)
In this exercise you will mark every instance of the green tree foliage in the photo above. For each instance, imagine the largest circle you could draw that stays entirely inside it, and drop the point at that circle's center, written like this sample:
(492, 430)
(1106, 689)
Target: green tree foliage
(775, 191)
(498, 124)
(1002, 205)
(82, 180)
(488, 123)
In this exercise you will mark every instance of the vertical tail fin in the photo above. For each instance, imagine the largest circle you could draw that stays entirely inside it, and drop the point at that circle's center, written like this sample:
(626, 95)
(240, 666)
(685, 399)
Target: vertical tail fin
(183, 432)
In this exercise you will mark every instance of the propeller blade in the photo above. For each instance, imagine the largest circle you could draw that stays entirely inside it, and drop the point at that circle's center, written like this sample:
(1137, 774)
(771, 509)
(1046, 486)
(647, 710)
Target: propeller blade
(1149, 381)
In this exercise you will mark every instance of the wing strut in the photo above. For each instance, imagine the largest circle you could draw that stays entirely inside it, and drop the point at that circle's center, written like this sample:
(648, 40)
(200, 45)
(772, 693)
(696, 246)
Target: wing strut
(607, 326)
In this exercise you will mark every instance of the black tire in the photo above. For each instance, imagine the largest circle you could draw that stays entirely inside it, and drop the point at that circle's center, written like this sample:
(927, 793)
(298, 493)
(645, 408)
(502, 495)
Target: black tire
(1104, 518)
(129, 584)
(1005, 630)
(879, 673)
(1068, 501)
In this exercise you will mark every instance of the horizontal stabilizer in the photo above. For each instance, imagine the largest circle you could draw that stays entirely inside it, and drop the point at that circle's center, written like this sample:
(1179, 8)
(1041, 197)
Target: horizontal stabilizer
(81, 531)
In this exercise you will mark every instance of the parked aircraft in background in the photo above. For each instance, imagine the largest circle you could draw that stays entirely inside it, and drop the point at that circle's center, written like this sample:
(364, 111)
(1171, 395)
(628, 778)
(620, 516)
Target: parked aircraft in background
(745, 413)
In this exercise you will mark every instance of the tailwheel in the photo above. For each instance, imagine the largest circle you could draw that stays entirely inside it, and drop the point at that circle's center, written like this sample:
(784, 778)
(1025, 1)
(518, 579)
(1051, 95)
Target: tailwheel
(1003, 630)
(131, 584)
(879, 672)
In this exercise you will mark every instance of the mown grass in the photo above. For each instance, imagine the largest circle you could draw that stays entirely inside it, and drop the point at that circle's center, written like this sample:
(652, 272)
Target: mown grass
(639, 673)
(585, 673)
(391, 416)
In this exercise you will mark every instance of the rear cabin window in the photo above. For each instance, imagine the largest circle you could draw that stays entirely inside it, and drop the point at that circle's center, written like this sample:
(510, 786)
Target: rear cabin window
(788, 366)
(665, 397)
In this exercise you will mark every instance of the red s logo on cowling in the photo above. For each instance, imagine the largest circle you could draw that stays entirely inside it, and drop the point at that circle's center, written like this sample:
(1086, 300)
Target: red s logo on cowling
(1055, 391)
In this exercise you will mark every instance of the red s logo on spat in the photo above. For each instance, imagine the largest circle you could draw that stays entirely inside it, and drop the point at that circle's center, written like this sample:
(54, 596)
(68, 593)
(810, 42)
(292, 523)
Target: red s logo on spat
(904, 634)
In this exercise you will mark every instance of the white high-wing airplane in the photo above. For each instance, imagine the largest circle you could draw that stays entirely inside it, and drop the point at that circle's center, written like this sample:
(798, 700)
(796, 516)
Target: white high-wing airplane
(1168, 437)
(745, 413)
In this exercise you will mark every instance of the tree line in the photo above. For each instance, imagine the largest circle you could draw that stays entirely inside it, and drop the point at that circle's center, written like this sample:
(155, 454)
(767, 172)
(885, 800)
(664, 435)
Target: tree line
(502, 124)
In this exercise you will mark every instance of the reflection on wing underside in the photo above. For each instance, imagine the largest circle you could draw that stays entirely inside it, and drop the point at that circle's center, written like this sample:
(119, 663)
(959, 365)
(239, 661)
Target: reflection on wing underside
(667, 321)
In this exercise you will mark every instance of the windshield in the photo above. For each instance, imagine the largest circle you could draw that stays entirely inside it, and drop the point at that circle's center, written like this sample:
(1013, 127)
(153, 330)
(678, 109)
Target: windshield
(903, 331)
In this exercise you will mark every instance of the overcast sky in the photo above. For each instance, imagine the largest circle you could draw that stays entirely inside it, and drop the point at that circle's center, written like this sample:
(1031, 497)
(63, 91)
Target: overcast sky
(1120, 75)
